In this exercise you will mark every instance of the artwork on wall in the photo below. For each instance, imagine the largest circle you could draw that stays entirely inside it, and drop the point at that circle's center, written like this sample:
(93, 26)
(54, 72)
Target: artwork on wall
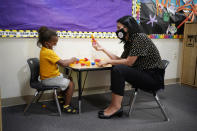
(166, 16)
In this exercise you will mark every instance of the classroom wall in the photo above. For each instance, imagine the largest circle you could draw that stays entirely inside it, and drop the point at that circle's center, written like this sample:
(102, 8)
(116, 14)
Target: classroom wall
(14, 71)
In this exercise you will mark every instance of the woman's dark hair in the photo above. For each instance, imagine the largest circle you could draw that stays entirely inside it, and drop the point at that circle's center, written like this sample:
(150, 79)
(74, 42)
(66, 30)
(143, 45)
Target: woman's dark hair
(44, 35)
(130, 23)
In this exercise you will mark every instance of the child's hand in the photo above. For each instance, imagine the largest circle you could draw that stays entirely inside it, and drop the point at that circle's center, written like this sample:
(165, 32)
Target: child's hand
(97, 46)
(73, 59)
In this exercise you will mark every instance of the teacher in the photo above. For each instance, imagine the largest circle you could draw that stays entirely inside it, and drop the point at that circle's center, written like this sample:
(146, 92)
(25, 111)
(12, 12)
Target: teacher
(140, 65)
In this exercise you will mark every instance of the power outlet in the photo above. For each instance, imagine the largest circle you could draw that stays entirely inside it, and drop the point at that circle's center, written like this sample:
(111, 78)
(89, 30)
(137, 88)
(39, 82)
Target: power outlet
(175, 56)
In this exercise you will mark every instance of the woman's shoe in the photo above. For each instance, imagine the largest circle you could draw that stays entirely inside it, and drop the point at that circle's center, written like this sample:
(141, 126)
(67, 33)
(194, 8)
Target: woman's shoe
(118, 113)
(100, 112)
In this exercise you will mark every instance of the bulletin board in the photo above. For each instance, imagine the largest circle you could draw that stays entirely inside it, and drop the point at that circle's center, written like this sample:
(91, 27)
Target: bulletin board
(80, 19)
(71, 18)
(165, 18)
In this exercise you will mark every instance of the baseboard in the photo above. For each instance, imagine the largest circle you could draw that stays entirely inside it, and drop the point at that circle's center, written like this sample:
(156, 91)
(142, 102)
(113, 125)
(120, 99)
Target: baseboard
(172, 81)
(6, 102)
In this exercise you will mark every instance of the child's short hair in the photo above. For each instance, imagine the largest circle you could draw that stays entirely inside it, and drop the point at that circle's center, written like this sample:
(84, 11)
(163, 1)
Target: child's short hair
(44, 35)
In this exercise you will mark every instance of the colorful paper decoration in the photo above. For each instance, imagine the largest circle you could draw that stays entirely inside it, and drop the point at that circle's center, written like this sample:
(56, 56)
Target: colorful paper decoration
(152, 20)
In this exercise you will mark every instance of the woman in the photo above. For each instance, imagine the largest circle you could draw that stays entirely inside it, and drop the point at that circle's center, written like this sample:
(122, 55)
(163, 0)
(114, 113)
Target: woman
(140, 64)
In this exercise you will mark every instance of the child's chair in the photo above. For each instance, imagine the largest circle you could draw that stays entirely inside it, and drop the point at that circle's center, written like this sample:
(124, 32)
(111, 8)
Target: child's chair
(34, 65)
(154, 93)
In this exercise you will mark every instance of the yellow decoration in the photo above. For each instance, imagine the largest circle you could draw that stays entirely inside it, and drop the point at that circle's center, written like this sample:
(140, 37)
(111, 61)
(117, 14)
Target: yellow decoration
(62, 34)
(44, 106)
(87, 63)
(71, 65)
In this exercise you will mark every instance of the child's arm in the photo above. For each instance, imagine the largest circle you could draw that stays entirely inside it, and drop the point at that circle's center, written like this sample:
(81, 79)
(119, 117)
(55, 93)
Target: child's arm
(66, 62)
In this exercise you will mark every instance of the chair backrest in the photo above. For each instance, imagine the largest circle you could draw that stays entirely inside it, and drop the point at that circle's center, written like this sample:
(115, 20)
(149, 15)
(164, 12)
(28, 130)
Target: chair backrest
(165, 63)
(34, 66)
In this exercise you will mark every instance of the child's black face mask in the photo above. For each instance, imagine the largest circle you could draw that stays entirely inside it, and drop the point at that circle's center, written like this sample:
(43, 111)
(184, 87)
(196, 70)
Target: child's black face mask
(121, 34)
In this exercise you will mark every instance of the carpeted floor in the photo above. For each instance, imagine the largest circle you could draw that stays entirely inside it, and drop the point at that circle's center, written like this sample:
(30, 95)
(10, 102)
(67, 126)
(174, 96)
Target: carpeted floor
(180, 103)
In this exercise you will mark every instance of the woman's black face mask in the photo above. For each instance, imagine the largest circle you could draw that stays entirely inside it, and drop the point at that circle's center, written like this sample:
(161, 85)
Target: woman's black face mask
(121, 34)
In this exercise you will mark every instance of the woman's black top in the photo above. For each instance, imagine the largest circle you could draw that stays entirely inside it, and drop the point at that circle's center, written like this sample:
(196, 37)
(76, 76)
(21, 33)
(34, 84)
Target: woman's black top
(149, 59)
(143, 47)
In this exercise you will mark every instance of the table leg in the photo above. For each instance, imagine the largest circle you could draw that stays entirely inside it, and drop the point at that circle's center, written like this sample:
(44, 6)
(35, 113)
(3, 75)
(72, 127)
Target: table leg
(79, 91)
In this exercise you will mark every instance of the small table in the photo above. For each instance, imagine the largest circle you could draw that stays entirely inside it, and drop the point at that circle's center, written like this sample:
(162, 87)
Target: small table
(80, 69)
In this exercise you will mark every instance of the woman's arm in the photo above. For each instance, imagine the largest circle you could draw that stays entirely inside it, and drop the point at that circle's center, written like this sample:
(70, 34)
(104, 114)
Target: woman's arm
(98, 47)
(129, 61)
(110, 55)
(66, 62)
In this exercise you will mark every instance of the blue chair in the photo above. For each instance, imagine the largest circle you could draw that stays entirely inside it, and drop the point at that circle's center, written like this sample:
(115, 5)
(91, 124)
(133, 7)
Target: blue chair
(34, 66)
(154, 93)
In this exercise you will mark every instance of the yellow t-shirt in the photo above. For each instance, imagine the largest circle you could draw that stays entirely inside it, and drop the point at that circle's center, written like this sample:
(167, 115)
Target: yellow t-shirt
(48, 66)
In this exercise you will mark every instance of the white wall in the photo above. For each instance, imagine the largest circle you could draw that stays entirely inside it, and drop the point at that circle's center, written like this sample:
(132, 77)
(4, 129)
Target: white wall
(14, 71)
(170, 49)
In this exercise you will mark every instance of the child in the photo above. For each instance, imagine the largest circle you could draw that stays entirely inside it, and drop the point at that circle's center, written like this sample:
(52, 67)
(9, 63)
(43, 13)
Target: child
(49, 61)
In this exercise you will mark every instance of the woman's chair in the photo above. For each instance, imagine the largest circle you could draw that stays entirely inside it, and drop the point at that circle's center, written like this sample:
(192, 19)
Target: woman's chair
(154, 93)
(34, 66)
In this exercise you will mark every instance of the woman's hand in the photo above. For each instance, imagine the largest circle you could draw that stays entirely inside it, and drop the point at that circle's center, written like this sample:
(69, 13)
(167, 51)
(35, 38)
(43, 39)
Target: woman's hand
(103, 63)
(97, 46)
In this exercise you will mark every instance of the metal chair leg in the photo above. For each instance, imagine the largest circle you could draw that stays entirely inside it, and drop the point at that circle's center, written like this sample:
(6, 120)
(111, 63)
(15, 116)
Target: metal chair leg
(33, 99)
(132, 103)
(40, 95)
(57, 102)
(161, 107)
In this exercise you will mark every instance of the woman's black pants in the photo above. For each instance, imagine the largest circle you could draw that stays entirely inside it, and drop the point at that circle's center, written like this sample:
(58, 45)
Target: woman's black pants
(146, 80)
